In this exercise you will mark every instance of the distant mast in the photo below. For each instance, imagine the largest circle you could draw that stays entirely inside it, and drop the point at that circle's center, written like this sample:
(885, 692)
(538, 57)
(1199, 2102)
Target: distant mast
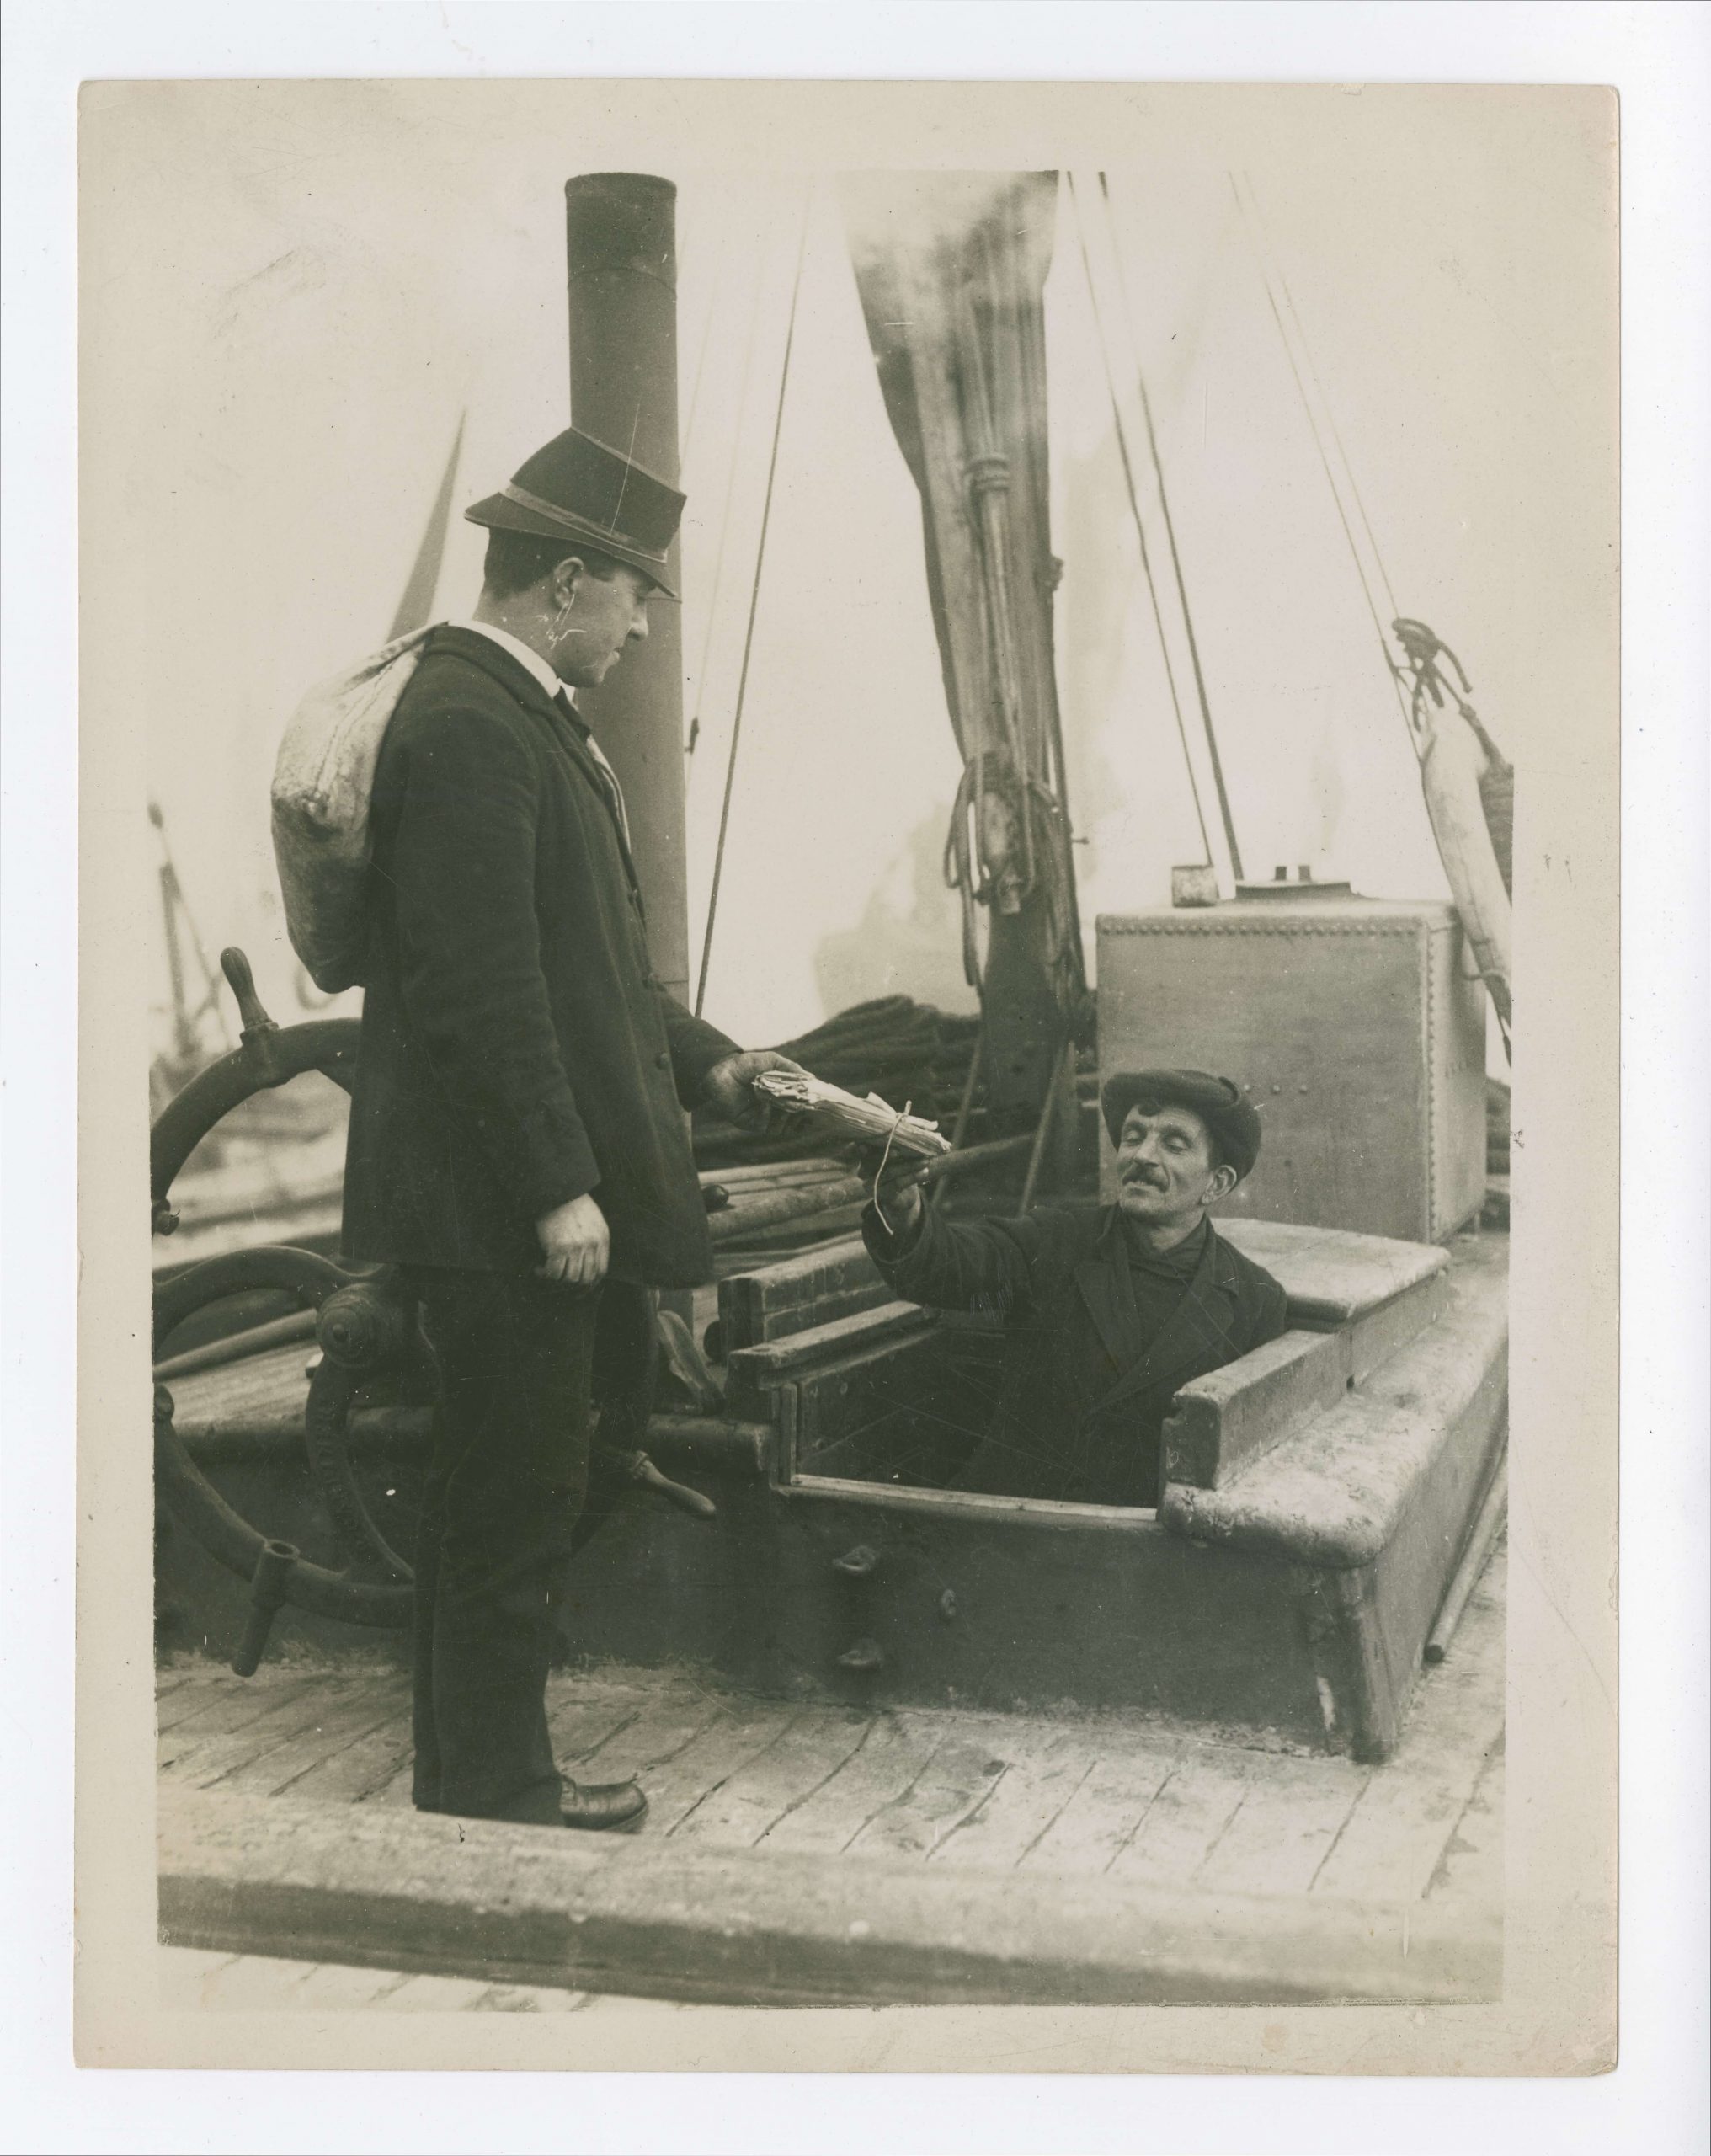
(621, 250)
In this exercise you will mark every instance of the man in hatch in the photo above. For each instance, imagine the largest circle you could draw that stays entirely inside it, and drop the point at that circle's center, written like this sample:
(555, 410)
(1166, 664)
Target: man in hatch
(1107, 1309)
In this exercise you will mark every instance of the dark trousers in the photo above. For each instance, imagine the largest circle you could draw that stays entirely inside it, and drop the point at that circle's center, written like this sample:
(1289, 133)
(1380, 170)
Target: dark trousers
(527, 1370)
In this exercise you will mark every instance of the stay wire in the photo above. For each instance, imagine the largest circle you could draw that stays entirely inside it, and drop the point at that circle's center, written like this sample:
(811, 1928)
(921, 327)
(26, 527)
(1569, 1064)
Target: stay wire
(1259, 217)
(754, 608)
(211, 981)
(1140, 529)
(1390, 666)
(1229, 829)
(701, 679)
(694, 393)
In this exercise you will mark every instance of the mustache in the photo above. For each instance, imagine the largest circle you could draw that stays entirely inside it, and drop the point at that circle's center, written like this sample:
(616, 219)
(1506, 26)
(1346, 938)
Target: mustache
(1145, 1175)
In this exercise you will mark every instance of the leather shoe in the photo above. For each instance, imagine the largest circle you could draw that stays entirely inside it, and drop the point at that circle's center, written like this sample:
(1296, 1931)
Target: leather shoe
(598, 1807)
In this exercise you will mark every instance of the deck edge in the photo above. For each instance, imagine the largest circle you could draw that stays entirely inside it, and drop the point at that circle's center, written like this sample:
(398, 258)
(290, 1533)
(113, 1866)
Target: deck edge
(519, 1904)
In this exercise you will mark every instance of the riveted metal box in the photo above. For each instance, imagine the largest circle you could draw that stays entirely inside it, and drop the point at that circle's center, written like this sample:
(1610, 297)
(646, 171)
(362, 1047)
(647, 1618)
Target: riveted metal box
(1355, 1025)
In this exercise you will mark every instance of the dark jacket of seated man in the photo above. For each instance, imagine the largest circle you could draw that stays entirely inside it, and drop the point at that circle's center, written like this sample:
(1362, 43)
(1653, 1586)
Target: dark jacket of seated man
(1107, 1309)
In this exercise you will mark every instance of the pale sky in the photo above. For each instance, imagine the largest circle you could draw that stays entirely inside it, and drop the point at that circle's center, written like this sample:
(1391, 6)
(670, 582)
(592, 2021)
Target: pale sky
(303, 287)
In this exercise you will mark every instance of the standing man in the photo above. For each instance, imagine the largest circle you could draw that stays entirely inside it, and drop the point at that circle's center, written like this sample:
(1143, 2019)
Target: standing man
(518, 1144)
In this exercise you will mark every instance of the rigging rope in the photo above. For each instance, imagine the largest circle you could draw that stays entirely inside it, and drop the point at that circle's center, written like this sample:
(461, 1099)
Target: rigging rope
(1061, 768)
(1258, 215)
(1171, 533)
(754, 606)
(1140, 529)
(725, 513)
(706, 339)
(1257, 237)
(174, 901)
(1420, 678)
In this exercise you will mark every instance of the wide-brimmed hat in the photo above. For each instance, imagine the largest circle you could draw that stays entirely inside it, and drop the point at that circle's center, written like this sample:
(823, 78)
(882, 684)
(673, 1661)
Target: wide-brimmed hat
(577, 487)
(1233, 1123)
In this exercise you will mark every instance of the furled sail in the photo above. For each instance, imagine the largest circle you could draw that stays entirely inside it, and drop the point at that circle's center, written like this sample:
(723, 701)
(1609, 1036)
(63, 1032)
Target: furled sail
(951, 269)
(1470, 788)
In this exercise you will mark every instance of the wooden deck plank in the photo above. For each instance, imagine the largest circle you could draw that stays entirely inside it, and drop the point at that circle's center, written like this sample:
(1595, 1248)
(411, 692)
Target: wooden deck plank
(1397, 1833)
(343, 1759)
(342, 1987)
(215, 1747)
(358, 1770)
(395, 1790)
(718, 1737)
(184, 1976)
(807, 1755)
(603, 2002)
(1471, 1869)
(609, 1733)
(1195, 1801)
(364, 1707)
(675, 1785)
(646, 1743)
(1395, 1838)
(248, 1983)
(1285, 1825)
(223, 1700)
(959, 1775)
(1102, 1815)
(360, 1710)
(884, 1765)
(340, 1760)
(192, 1980)
(528, 1998)
(435, 1995)
(580, 1725)
(1043, 1771)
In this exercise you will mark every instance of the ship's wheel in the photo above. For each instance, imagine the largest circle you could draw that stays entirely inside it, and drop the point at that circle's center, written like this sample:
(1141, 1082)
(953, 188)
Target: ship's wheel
(364, 1326)
(373, 1360)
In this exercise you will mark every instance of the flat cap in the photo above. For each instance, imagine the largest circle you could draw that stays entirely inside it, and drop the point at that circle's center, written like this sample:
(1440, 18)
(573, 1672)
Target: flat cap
(1234, 1121)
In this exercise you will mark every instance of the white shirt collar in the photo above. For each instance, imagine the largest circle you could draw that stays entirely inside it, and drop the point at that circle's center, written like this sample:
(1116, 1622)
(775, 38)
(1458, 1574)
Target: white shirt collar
(531, 660)
(554, 687)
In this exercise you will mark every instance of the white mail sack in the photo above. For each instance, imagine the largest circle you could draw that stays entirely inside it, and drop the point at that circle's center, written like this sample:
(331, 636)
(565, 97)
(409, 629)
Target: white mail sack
(323, 779)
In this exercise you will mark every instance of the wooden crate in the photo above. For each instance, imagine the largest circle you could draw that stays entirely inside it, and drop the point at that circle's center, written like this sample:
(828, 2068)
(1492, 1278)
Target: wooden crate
(1353, 1025)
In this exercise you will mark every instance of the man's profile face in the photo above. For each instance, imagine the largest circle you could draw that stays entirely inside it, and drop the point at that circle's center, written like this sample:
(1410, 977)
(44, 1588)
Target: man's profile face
(608, 616)
(1166, 1165)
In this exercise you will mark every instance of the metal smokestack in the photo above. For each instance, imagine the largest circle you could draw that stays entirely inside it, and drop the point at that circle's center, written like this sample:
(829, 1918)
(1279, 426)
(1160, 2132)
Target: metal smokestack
(621, 250)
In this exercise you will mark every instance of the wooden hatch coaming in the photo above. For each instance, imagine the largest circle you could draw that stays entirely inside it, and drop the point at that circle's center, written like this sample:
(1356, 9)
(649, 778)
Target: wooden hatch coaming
(1318, 1496)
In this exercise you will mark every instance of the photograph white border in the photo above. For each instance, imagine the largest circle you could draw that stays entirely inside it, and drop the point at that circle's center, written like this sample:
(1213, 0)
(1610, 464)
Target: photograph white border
(1657, 57)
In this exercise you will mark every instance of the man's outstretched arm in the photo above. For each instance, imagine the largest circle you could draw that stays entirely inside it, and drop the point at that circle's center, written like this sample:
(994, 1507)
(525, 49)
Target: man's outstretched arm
(953, 1264)
(710, 1069)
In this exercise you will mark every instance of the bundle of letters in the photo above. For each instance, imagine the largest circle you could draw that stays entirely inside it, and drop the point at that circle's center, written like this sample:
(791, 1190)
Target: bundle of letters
(843, 1119)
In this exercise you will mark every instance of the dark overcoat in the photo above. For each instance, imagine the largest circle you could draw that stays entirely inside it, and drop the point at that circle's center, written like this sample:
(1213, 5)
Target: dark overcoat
(518, 1049)
(1087, 1385)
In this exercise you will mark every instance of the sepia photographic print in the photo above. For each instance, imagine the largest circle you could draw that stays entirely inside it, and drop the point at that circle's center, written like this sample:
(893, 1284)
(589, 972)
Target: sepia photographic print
(848, 835)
